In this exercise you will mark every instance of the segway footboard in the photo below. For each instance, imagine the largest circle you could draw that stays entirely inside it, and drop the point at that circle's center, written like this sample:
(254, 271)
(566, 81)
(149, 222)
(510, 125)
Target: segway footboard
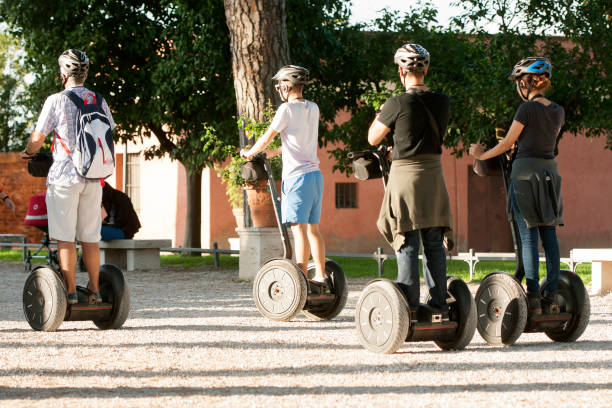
(575, 309)
(462, 313)
(327, 305)
(115, 292)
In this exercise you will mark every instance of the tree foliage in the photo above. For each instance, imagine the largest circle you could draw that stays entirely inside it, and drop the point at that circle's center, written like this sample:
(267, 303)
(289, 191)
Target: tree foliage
(576, 35)
(471, 60)
(12, 115)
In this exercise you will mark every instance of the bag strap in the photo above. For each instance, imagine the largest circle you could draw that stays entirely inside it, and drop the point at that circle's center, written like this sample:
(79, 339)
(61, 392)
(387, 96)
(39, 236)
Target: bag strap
(75, 99)
(432, 119)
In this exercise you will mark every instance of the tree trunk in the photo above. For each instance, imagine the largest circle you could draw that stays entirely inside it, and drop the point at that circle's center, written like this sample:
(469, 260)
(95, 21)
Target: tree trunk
(259, 47)
(193, 219)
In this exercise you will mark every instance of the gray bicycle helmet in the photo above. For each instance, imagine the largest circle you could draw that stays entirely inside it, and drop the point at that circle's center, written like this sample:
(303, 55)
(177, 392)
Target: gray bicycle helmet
(531, 65)
(412, 57)
(293, 73)
(73, 63)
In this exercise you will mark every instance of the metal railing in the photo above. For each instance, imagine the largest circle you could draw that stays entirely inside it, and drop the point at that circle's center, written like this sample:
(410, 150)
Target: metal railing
(471, 257)
(215, 251)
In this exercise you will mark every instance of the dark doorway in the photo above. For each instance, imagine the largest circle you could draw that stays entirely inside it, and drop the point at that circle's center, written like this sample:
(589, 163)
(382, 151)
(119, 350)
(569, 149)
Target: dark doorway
(488, 230)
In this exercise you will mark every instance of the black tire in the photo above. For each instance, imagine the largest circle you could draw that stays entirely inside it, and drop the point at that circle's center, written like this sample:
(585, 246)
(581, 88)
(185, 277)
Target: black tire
(44, 299)
(339, 288)
(574, 299)
(280, 290)
(114, 290)
(463, 311)
(501, 306)
(382, 317)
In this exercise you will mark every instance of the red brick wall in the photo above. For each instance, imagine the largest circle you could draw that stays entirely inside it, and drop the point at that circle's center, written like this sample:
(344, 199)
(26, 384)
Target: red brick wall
(20, 186)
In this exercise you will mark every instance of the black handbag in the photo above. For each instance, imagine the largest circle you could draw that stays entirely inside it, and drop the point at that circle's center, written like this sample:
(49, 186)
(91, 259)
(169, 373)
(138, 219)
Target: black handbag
(39, 164)
(367, 166)
(253, 170)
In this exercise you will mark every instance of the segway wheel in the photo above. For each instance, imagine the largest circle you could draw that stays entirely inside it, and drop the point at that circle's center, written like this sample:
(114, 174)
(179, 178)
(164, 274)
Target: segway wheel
(573, 298)
(338, 286)
(501, 306)
(114, 290)
(382, 317)
(280, 290)
(462, 310)
(44, 299)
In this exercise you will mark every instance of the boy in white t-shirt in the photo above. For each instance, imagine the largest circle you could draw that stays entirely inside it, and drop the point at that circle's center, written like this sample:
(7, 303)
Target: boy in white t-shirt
(297, 121)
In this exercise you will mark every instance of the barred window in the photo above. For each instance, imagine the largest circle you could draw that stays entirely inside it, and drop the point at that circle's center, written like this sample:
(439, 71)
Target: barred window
(346, 195)
(132, 184)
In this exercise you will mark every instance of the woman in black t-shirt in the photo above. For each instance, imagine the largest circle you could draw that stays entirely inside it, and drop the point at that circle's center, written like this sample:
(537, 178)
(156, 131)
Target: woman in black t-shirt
(535, 184)
(416, 205)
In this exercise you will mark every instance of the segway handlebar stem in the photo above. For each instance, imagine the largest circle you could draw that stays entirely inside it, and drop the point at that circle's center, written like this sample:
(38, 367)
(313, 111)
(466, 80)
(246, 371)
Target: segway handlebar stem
(282, 228)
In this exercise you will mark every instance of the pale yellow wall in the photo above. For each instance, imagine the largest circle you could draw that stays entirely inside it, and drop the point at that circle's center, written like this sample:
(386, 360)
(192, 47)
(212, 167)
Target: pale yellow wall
(162, 191)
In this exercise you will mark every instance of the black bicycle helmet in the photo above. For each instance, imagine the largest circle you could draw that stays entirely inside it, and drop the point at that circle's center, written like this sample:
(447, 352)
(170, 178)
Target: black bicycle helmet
(412, 57)
(531, 65)
(73, 63)
(293, 73)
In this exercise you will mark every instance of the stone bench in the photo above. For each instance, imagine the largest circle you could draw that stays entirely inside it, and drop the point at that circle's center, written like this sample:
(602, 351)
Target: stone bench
(601, 267)
(131, 254)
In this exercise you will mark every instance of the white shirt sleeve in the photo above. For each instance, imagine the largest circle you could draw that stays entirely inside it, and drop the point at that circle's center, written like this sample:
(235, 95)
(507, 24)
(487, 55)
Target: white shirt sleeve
(281, 118)
(47, 121)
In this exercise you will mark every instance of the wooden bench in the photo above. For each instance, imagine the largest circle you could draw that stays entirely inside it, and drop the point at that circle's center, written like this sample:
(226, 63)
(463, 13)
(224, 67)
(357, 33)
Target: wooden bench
(131, 254)
(601, 267)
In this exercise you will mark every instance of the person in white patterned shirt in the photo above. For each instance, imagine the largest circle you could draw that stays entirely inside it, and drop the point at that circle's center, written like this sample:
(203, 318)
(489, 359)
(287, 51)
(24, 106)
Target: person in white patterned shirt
(73, 202)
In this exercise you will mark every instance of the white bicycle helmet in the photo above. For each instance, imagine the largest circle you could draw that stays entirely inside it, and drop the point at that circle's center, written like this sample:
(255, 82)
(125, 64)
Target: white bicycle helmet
(73, 63)
(412, 57)
(293, 73)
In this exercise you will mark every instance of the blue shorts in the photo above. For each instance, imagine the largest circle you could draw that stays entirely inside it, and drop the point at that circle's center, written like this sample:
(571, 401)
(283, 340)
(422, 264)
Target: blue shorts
(302, 197)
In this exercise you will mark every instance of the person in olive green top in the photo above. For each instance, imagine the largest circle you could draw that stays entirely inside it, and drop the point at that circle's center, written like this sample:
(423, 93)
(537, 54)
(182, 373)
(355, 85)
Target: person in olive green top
(416, 205)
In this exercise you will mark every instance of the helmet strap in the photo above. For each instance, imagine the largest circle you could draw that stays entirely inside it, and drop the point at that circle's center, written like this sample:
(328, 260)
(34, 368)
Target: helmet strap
(525, 95)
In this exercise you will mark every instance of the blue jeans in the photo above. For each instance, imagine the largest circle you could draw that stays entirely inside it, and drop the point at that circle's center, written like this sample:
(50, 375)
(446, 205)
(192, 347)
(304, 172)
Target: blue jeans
(434, 266)
(110, 233)
(531, 257)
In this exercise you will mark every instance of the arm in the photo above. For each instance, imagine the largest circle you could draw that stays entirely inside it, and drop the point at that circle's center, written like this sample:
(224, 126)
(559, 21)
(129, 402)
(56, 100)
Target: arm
(273, 152)
(261, 144)
(6, 200)
(377, 132)
(504, 145)
(34, 144)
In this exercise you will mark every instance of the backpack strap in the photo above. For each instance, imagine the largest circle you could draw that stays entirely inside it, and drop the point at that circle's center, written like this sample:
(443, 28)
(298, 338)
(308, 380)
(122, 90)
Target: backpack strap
(432, 119)
(75, 99)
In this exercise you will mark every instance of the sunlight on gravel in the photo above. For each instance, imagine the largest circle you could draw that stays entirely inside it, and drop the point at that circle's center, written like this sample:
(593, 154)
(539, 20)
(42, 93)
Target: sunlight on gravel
(195, 338)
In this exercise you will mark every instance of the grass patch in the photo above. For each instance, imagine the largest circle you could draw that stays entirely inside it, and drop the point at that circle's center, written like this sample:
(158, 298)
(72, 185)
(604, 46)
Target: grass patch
(367, 268)
(225, 261)
(353, 267)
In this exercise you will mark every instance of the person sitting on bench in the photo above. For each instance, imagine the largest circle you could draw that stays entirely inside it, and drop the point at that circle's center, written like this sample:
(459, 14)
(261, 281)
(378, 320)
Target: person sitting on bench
(119, 219)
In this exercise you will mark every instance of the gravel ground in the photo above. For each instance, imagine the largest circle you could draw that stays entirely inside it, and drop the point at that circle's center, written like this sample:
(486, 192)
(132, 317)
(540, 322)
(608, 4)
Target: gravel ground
(195, 338)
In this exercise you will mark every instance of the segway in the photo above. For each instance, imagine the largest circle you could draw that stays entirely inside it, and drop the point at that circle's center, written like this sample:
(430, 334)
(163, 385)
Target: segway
(383, 317)
(501, 299)
(280, 289)
(45, 303)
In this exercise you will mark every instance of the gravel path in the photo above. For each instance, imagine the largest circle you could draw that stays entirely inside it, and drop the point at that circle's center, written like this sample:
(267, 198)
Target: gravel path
(195, 338)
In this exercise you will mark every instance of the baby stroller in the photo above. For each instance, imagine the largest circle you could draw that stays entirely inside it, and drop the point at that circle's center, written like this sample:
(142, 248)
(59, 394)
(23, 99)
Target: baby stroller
(37, 217)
